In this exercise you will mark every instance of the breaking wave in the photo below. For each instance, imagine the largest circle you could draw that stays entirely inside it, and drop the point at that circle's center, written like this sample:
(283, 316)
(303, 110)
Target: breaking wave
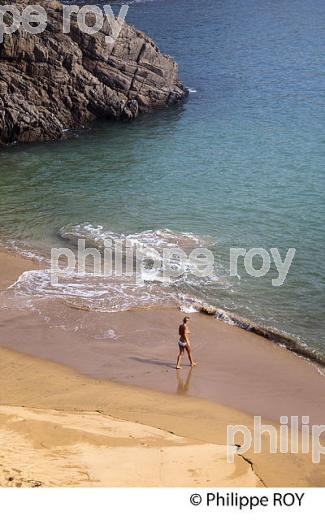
(96, 235)
(120, 290)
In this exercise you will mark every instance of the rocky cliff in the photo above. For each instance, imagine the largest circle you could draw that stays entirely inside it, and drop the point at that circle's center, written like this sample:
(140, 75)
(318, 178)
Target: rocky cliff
(52, 81)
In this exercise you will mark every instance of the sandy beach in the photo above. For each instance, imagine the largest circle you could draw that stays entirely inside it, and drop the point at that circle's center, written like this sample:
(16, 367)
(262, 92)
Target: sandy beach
(72, 431)
(59, 428)
(66, 421)
(162, 193)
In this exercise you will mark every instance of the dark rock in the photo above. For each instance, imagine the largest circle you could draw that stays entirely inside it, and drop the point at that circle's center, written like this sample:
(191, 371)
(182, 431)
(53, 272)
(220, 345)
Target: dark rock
(52, 81)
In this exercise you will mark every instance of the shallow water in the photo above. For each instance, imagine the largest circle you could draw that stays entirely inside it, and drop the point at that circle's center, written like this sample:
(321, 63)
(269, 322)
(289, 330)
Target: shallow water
(241, 164)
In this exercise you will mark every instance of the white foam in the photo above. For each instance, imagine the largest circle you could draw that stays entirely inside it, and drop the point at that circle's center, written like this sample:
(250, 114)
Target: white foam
(120, 292)
(20, 249)
(108, 334)
(96, 234)
(188, 308)
(95, 292)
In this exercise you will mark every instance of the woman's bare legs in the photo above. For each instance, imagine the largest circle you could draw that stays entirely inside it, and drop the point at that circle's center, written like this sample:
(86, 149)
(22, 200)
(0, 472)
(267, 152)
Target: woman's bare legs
(189, 355)
(178, 362)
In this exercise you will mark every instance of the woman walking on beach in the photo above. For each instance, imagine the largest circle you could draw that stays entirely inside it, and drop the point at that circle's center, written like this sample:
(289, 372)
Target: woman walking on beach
(184, 343)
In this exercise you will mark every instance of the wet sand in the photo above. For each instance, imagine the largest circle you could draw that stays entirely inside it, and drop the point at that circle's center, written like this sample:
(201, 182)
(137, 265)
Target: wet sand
(11, 267)
(235, 368)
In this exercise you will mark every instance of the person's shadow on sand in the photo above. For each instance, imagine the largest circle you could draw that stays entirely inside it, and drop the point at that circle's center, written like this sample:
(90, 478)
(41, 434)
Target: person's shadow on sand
(153, 362)
(183, 384)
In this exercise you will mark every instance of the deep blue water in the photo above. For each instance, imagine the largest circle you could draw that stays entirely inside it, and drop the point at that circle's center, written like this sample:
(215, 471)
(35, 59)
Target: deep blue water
(242, 162)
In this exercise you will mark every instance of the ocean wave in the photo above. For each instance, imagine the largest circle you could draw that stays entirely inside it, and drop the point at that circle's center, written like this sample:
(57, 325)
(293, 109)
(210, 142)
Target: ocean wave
(162, 255)
(89, 292)
(280, 338)
(144, 285)
(25, 250)
(96, 235)
(188, 308)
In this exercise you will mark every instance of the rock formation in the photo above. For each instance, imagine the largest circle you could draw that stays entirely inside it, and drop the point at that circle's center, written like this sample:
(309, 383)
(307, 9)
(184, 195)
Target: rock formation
(53, 81)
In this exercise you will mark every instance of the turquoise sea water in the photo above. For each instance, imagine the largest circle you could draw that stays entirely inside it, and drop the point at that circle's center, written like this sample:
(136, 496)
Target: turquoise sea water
(240, 164)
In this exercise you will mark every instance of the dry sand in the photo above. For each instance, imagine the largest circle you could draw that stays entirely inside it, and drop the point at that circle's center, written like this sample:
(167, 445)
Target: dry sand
(61, 434)
(51, 448)
(61, 428)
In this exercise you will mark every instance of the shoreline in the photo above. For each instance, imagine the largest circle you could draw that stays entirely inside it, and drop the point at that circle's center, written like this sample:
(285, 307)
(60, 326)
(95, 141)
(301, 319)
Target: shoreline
(139, 347)
(307, 352)
(12, 265)
(59, 394)
(282, 340)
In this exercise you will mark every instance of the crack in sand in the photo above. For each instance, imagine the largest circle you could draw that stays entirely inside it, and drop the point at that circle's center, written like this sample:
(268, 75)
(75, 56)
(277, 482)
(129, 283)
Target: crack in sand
(251, 463)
